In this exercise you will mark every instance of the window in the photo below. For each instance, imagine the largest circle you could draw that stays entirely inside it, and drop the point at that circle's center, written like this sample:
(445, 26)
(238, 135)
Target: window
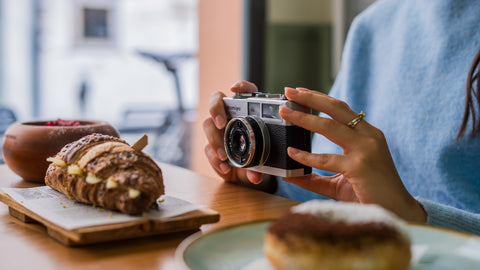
(95, 24)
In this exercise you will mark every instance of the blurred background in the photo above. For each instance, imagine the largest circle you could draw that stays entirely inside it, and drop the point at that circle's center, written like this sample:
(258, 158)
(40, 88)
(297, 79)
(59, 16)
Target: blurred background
(122, 61)
(148, 66)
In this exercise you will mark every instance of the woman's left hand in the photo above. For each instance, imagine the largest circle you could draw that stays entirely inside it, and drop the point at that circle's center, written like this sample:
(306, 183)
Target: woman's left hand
(365, 171)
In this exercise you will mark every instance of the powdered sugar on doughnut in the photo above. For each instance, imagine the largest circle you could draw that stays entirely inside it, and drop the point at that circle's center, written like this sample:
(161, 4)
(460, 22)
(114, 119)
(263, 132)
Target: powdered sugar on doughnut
(349, 213)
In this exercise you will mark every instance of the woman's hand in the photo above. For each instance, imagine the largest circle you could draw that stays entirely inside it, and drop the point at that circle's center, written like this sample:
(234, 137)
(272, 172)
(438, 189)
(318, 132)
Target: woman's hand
(213, 127)
(365, 171)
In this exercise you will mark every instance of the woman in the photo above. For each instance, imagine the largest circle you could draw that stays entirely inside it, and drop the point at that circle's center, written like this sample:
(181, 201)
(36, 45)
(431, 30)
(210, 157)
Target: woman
(405, 64)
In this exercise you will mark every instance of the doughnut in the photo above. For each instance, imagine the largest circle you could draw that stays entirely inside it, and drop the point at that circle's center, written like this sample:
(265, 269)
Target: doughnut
(322, 234)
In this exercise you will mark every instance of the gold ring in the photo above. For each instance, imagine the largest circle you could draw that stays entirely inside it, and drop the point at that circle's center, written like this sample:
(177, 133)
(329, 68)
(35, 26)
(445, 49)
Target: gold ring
(356, 120)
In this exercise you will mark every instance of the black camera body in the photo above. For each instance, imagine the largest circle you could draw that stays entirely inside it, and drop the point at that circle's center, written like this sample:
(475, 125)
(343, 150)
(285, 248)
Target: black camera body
(257, 138)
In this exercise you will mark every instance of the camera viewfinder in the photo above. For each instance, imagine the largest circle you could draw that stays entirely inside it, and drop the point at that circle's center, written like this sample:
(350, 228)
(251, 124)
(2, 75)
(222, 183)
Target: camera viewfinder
(254, 109)
(270, 111)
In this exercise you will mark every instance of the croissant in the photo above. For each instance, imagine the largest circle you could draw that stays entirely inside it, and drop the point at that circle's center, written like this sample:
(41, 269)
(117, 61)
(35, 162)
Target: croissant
(106, 171)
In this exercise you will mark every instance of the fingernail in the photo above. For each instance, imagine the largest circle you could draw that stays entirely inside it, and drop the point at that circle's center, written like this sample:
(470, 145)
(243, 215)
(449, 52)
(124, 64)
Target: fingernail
(236, 85)
(285, 110)
(224, 167)
(222, 154)
(256, 182)
(291, 91)
(292, 151)
(220, 121)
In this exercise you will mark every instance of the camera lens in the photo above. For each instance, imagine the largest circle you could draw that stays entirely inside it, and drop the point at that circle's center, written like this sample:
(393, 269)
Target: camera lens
(239, 142)
(247, 141)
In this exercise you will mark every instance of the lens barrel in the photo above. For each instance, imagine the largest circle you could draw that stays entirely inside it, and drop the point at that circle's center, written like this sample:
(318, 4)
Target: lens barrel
(247, 141)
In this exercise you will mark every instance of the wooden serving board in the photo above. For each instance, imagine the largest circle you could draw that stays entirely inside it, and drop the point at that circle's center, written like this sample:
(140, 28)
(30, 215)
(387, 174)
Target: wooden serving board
(109, 232)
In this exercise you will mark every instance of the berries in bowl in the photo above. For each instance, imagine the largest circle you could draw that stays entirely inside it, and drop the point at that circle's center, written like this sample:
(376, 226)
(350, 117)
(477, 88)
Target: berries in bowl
(27, 145)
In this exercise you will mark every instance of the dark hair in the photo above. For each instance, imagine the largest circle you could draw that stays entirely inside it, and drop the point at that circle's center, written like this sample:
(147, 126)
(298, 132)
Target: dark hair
(472, 95)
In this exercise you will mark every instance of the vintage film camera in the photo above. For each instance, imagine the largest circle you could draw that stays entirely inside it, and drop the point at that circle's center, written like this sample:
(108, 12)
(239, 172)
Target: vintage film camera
(256, 137)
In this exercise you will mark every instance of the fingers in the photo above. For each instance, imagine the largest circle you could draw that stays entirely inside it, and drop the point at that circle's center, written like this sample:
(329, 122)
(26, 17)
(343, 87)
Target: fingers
(335, 128)
(216, 106)
(244, 87)
(254, 177)
(217, 109)
(337, 109)
(225, 170)
(327, 162)
(213, 128)
(320, 184)
(314, 182)
(215, 138)
(222, 167)
(334, 131)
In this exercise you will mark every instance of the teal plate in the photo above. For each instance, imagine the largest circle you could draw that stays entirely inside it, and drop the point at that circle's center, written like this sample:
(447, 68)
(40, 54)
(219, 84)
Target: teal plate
(240, 247)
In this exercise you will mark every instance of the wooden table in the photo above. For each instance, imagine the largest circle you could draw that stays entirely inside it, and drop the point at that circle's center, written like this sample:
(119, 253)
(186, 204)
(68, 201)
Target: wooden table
(26, 246)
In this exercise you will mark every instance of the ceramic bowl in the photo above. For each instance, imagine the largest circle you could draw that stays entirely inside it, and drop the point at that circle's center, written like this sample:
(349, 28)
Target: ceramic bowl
(27, 145)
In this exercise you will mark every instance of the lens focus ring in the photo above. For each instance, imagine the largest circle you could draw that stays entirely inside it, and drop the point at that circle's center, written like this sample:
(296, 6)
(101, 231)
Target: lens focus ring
(246, 141)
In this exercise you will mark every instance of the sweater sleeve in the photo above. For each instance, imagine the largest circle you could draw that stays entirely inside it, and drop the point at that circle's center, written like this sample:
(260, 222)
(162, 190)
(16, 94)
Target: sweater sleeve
(450, 217)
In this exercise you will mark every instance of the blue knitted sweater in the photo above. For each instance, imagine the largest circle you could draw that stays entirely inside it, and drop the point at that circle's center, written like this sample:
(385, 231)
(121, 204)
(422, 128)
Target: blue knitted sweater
(405, 64)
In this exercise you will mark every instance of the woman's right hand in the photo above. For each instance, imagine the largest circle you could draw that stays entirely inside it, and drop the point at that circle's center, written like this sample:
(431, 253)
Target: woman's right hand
(213, 127)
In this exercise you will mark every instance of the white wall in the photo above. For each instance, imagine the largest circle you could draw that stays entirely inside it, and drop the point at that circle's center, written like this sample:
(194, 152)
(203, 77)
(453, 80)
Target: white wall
(117, 76)
(15, 56)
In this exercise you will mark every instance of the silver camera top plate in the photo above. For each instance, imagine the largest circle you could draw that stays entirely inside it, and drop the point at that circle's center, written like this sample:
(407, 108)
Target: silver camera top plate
(259, 95)
(262, 105)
